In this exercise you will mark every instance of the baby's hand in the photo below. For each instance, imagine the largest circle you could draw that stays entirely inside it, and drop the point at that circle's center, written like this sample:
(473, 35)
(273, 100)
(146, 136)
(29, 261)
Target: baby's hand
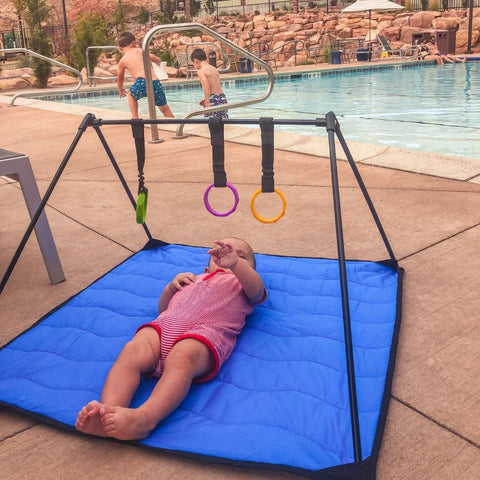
(224, 255)
(180, 281)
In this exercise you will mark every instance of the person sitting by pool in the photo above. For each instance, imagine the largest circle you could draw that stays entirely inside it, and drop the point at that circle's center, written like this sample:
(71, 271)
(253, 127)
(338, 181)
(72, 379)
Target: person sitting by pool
(439, 57)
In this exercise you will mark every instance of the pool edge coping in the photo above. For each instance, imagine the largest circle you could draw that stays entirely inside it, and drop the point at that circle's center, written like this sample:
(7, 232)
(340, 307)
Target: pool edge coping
(414, 161)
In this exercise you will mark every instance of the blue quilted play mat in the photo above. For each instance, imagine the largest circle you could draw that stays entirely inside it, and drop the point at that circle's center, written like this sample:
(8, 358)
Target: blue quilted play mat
(281, 400)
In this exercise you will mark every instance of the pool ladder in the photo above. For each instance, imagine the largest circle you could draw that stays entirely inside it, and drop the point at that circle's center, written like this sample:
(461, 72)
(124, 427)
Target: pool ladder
(211, 33)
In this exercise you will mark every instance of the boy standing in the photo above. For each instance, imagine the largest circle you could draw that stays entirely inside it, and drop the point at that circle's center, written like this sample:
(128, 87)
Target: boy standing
(133, 61)
(210, 80)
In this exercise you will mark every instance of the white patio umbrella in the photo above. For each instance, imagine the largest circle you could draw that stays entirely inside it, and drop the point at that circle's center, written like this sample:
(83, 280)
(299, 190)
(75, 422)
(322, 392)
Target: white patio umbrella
(369, 6)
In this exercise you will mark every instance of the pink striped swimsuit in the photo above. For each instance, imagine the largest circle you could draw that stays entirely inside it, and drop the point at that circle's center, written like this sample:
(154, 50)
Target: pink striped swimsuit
(211, 310)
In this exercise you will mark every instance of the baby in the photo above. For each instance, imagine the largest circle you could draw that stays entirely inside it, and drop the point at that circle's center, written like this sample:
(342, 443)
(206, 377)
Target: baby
(200, 319)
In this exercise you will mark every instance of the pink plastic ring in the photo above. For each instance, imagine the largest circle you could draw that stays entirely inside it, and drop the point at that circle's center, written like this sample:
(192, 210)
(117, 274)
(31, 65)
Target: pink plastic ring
(214, 212)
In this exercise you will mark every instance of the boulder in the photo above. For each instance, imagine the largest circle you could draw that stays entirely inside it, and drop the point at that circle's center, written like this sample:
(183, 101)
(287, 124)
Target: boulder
(384, 24)
(445, 23)
(172, 72)
(17, 83)
(407, 32)
(15, 72)
(276, 25)
(475, 23)
(423, 19)
(461, 41)
(392, 34)
(296, 27)
(58, 80)
(401, 21)
(100, 72)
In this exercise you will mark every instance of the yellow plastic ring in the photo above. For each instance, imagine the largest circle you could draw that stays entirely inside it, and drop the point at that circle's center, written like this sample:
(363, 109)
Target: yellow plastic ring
(268, 220)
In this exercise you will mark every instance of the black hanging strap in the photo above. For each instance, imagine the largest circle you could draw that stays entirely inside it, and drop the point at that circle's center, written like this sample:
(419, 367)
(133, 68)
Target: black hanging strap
(266, 129)
(139, 136)
(142, 200)
(218, 151)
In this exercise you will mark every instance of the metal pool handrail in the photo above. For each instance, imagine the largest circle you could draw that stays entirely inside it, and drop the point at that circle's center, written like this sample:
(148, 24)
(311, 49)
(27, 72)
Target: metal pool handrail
(36, 93)
(87, 62)
(197, 26)
(226, 62)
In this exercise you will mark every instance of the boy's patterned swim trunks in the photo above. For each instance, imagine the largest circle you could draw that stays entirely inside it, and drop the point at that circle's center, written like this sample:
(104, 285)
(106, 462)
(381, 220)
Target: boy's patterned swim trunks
(218, 99)
(139, 90)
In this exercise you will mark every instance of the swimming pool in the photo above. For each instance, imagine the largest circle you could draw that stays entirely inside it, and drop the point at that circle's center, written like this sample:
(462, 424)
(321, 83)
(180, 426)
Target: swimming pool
(429, 108)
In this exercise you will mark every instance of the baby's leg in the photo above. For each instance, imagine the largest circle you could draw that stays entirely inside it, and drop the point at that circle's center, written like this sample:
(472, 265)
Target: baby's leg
(139, 355)
(188, 359)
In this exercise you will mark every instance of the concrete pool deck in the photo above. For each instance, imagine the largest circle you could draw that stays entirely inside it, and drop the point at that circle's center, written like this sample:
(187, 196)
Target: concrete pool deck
(430, 209)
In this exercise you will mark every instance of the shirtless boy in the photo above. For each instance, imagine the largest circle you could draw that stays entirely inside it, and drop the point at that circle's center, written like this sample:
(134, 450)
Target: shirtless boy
(133, 61)
(200, 319)
(210, 80)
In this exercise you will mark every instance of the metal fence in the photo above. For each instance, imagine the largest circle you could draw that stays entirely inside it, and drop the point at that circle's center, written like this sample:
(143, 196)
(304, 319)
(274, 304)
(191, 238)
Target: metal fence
(439, 5)
(241, 7)
(238, 7)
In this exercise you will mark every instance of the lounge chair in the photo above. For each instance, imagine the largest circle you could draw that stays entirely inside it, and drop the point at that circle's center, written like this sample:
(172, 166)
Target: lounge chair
(386, 47)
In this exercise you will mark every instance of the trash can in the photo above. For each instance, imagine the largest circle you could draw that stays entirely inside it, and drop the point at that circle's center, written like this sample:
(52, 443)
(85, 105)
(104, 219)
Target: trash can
(446, 40)
(212, 58)
(336, 57)
(363, 55)
(245, 65)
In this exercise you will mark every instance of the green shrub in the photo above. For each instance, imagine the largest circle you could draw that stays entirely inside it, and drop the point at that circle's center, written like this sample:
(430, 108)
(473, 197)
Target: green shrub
(165, 54)
(143, 15)
(91, 30)
(119, 16)
(327, 52)
(41, 68)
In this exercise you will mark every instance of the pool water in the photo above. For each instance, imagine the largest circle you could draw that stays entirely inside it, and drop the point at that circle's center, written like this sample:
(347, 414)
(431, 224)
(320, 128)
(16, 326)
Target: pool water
(429, 108)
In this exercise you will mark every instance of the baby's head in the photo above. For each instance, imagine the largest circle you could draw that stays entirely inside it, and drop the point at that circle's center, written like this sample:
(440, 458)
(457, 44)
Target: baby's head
(125, 39)
(243, 249)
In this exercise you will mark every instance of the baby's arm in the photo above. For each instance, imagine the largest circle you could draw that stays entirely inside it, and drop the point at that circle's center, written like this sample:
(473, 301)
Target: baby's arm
(226, 257)
(173, 287)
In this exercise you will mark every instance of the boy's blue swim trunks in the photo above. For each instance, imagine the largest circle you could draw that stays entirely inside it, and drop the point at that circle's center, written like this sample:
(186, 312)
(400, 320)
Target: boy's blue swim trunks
(139, 90)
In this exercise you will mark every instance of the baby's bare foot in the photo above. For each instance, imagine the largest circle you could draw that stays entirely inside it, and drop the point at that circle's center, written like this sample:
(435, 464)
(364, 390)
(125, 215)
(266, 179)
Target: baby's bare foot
(89, 420)
(125, 423)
